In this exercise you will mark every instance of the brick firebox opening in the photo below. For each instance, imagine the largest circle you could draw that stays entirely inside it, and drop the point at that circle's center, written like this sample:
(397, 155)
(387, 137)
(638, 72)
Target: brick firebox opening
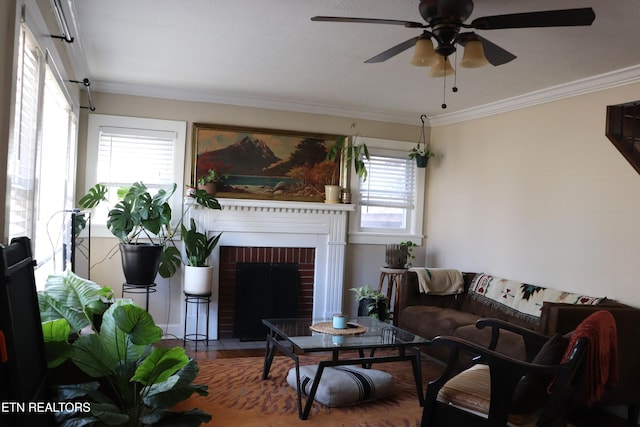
(231, 255)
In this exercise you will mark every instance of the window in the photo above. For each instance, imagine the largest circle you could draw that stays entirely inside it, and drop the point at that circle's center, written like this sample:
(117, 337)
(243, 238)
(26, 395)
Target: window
(41, 155)
(390, 202)
(129, 149)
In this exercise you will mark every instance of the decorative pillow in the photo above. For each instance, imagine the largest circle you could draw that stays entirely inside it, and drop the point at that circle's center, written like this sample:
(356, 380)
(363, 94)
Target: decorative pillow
(531, 391)
(344, 385)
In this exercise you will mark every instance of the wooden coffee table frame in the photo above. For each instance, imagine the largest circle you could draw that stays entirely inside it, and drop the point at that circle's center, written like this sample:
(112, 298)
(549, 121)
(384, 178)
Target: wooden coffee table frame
(407, 350)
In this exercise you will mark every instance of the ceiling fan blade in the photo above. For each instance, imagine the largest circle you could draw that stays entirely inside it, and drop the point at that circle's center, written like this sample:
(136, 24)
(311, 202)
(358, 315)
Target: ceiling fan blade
(408, 24)
(495, 54)
(389, 53)
(549, 18)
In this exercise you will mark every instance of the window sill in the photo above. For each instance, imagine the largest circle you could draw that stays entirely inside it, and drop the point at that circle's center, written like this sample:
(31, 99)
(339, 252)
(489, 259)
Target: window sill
(366, 238)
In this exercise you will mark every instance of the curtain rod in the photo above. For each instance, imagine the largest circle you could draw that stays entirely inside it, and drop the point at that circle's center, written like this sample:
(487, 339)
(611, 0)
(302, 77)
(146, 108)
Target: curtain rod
(62, 23)
(87, 85)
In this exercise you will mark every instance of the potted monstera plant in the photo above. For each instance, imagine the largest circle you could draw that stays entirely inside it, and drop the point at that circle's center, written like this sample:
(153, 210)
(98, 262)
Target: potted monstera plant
(142, 222)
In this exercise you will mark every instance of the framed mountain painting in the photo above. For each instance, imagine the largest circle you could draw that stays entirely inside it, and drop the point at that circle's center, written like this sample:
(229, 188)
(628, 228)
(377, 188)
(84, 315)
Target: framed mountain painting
(264, 164)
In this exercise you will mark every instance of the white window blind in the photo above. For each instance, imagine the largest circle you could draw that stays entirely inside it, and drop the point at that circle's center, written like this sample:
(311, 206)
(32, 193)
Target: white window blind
(125, 150)
(390, 183)
(23, 144)
(126, 156)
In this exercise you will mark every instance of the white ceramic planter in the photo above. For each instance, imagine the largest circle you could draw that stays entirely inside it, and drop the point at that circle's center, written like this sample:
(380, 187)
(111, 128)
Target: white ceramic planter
(197, 280)
(332, 193)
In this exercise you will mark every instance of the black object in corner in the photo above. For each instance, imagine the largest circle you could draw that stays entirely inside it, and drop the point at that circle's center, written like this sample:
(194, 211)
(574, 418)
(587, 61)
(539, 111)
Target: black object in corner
(23, 367)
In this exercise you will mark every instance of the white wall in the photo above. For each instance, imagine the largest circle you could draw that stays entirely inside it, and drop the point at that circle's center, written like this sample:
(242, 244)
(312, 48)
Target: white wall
(538, 195)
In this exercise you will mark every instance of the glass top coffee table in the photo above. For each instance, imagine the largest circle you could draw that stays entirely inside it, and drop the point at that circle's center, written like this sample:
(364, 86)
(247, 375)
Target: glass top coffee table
(295, 336)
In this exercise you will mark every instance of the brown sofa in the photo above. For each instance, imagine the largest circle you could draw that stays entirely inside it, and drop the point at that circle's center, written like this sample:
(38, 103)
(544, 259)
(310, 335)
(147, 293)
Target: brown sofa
(455, 315)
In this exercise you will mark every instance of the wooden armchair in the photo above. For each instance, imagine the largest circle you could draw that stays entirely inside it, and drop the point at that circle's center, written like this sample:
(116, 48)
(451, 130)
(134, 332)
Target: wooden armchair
(499, 391)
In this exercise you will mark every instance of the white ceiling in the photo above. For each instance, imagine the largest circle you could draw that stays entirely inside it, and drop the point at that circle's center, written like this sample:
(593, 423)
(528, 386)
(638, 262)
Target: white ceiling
(270, 54)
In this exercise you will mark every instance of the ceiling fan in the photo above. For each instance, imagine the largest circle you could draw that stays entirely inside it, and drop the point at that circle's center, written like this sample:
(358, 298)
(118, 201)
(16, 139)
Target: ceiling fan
(444, 21)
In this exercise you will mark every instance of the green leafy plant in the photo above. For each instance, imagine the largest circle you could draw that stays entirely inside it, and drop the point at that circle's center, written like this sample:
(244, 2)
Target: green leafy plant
(197, 246)
(351, 153)
(68, 304)
(135, 382)
(139, 214)
(410, 256)
(211, 177)
(420, 151)
(377, 304)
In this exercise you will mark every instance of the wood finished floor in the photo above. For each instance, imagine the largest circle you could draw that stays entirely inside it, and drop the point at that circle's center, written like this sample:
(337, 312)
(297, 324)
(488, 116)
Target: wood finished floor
(226, 350)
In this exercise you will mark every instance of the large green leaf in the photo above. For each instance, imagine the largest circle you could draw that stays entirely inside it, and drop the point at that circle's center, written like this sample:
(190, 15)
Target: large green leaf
(176, 389)
(170, 261)
(56, 346)
(137, 324)
(93, 198)
(122, 220)
(92, 356)
(52, 309)
(160, 365)
(72, 297)
(120, 342)
(205, 199)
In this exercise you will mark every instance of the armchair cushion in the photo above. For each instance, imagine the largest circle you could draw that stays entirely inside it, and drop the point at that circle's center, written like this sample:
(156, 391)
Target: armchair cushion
(471, 390)
(531, 391)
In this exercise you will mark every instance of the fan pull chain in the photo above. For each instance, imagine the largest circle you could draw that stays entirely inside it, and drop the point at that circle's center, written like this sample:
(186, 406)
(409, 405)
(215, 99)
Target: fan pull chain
(444, 92)
(454, 89)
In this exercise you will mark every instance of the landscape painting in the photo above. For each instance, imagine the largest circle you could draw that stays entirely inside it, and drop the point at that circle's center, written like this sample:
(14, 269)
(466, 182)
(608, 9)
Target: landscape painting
(263, 163)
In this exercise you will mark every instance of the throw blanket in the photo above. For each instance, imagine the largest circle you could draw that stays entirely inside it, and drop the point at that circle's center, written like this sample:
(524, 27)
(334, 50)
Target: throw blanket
(439, 281)
(601, 358)
(521, 299)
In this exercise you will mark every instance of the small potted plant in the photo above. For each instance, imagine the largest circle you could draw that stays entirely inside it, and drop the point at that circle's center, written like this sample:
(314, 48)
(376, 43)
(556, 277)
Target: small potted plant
(197, 272)
(209, 182)
(371, 303)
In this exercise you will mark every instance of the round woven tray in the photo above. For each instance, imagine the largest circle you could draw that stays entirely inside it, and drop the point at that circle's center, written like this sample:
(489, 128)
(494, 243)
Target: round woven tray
(327, 328)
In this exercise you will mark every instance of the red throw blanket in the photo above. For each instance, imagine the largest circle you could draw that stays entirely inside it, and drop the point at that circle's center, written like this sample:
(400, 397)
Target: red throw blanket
(601, 358)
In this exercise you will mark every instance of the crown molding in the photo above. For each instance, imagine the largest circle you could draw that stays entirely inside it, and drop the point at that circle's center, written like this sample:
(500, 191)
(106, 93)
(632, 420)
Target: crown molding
(250, 101)
(609, 80)
(597, 83)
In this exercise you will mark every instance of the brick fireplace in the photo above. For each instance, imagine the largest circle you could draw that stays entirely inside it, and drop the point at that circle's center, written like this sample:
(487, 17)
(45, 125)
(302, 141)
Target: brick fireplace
(260, 228)
(230, 256)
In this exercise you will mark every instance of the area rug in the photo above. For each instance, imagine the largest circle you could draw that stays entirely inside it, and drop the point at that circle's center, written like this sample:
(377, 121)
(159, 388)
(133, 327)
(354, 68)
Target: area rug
(238, 396)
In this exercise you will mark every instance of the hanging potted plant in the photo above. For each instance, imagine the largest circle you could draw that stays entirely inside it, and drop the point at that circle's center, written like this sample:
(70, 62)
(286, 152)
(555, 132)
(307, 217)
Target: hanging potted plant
(347, 154)
(197, 272)
(421, 152)
(142, 224)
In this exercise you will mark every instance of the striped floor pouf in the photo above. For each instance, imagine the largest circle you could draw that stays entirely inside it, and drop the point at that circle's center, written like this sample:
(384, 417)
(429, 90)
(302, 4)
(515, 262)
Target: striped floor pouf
(344, 385)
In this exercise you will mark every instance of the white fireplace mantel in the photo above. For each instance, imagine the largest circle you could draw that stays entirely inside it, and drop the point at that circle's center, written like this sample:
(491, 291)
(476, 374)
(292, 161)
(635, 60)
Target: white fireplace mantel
(263, 223)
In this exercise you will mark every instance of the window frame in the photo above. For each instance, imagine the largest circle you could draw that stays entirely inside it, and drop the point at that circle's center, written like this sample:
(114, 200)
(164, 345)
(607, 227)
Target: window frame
(98, 121)
(414, 229)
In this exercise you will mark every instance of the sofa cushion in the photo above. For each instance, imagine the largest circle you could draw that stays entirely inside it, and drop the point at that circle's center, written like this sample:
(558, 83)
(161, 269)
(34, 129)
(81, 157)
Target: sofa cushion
(429, 321)
(344, 385)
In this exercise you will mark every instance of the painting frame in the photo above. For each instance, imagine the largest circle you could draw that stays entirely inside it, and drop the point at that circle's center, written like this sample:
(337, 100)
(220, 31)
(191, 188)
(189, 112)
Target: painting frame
(263, 163)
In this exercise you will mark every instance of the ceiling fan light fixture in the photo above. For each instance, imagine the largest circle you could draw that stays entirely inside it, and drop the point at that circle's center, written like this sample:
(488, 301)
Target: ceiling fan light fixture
(441, 68)
(424, 55)
(473, 56)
